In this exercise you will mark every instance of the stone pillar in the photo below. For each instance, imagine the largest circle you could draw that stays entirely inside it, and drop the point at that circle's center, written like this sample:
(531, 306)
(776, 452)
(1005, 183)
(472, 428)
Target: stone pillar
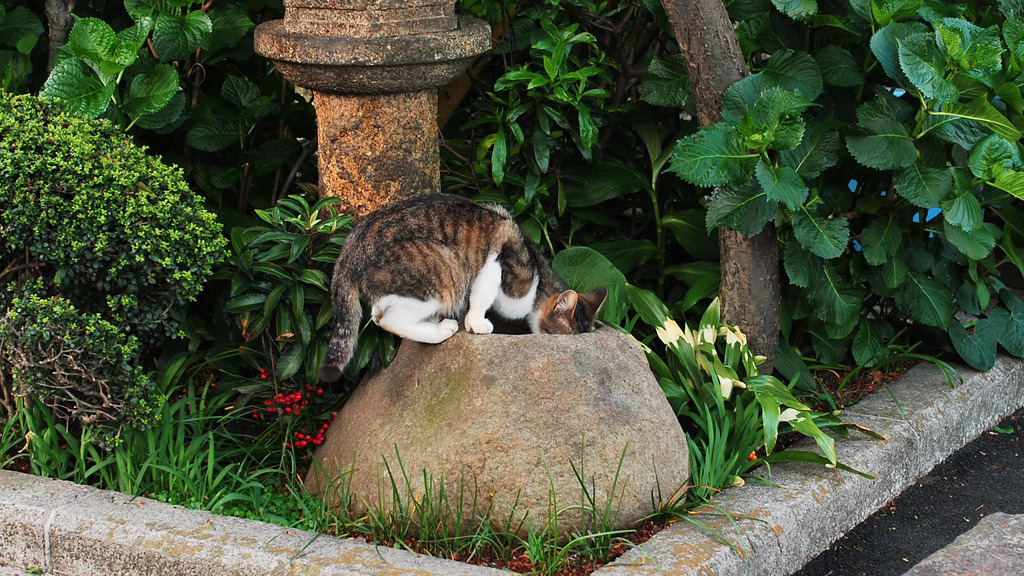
(374, 67)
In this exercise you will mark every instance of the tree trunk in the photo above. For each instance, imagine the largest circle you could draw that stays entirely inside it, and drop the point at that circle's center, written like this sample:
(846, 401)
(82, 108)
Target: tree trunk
(749, 292)
(59, 21)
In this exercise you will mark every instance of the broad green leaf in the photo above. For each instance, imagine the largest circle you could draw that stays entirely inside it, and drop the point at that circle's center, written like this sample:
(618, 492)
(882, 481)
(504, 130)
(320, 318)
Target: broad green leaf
(165, 118)
(926, 301)
(795, 71)
(1013, 34)
(976, 51)
(92, 39)
(712, 157)
(177, 36)
(977, 349)
(992, 156)
(666, 83)
(923, 186)
(923, 63)
(627, 254)
(802, 267)
(837, 301)
(82, 92)
(869, 342)
(894, 272)
(964, 211)
(797, 9)
(885, 47)
(241, 92)
(880, 141)
(744, 207)
(741, 96)
(825, 237)
(152, 91)
(231, 23)
(585, 269)
(687, 226)
(596, 183)
(290, 361)
(817, 151)
(976, 244)
(782, 184)
(214, 132)
(19, 23)
(838, 67)
(880, 240)
(1011, 337)
(776, 118)
(980, 110)
(884, 12)
(1011, 182)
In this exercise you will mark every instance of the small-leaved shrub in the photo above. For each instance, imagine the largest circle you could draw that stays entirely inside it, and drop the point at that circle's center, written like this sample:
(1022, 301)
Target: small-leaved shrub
(79, 365)
(117, 231)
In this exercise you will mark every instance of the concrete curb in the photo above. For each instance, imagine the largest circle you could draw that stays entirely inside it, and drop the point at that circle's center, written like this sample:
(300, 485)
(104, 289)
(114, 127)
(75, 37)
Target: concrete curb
(72, 530)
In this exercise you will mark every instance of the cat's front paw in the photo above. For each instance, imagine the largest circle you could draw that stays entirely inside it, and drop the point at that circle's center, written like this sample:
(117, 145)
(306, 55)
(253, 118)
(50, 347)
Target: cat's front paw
(446, 329)
(477, 324)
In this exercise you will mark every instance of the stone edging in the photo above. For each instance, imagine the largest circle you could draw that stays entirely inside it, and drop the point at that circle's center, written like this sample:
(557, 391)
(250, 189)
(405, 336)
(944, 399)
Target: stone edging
(74, 530)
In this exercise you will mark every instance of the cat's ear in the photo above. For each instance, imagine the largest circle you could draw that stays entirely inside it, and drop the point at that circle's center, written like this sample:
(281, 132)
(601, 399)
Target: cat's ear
(593, 300)
(565, 303)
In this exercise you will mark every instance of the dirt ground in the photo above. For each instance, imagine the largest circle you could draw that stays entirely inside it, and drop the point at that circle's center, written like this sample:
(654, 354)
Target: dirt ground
(983, 477)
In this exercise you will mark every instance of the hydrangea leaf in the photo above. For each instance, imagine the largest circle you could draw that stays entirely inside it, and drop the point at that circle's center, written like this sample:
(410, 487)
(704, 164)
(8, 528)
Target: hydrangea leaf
(825, 237)
(712, 157)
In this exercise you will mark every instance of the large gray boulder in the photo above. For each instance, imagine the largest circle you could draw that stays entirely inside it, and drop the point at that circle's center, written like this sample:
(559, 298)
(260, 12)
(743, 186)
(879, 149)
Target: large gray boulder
(512, 419)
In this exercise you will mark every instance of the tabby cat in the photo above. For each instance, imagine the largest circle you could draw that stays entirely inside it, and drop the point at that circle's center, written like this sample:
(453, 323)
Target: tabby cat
(431, 263)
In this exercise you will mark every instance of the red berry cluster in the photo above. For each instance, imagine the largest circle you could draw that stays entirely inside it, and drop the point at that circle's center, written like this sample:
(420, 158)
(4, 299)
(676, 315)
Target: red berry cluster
(293, 403)
(302, 440)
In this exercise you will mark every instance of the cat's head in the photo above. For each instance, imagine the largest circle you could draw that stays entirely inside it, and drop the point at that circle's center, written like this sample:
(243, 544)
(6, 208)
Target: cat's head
(570, 312)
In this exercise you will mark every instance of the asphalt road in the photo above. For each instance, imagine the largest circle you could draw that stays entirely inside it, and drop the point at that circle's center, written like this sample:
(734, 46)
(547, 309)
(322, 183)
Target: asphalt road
(983, 477)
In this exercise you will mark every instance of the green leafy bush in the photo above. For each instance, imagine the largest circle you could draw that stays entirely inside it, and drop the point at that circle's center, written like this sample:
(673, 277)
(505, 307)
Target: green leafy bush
(117, 231)
(184, 79)
(79, 365)
(883, 139)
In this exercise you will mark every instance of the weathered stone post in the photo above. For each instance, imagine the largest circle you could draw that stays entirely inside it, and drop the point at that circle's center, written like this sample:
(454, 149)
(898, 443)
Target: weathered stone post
(374, 67)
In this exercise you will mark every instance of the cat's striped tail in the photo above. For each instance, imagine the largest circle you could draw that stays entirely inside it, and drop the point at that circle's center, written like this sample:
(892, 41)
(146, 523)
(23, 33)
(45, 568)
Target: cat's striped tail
(348, 316)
